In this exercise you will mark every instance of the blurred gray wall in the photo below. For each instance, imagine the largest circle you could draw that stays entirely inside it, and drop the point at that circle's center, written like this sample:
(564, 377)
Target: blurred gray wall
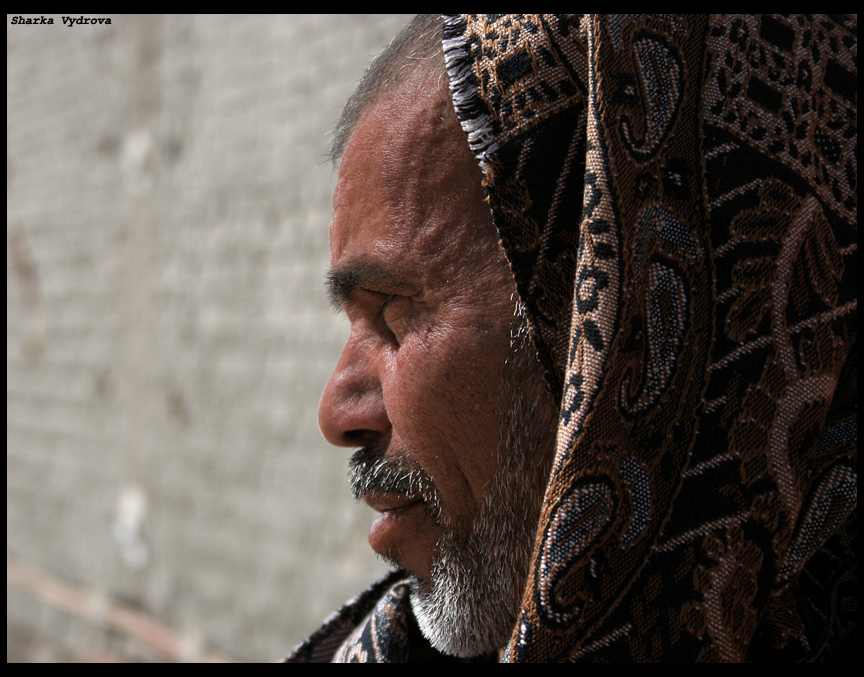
(167, 335)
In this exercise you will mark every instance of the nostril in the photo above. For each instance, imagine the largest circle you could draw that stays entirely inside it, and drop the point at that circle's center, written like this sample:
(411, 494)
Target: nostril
(359, 437)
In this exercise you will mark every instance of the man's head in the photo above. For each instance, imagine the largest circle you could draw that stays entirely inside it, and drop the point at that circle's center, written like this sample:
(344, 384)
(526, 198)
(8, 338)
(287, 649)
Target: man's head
(438, 384)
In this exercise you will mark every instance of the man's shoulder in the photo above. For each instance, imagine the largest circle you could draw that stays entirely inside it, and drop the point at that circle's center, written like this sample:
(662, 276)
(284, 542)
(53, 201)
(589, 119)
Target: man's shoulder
(322, 645)
(377, 626)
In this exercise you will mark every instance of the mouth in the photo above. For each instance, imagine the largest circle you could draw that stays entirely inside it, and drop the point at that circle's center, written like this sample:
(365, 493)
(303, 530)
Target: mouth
(407, 530)
(388, 502)
(400, 533)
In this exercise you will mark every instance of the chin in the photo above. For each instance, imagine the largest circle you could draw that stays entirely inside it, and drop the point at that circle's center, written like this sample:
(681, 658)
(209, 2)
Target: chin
(470, 603)
(462, 620)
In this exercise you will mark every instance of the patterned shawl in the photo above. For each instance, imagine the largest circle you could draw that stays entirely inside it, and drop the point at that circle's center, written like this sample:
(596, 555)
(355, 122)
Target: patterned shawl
(677, 196)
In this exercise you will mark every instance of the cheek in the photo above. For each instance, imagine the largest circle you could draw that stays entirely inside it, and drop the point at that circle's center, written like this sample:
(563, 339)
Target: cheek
(442, 393)
(447, 387)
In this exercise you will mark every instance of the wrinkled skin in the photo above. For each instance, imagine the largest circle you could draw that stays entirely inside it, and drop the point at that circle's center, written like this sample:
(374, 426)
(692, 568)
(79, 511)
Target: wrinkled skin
(427, 373)
(421, 377)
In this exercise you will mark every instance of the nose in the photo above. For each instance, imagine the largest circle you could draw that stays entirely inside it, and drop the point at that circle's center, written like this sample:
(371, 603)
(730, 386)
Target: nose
(352, 411)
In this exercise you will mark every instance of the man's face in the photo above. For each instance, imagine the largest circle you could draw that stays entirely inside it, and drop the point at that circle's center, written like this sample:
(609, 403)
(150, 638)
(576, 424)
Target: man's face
(429, 377)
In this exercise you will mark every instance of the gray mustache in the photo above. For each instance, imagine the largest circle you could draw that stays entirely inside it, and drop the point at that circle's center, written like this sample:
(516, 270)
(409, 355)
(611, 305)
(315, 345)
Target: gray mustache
(370, 473)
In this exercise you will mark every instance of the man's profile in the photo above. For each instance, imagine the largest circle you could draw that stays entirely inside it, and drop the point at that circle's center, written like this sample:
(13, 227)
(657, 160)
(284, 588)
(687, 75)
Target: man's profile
(430, 381)
(601, 368)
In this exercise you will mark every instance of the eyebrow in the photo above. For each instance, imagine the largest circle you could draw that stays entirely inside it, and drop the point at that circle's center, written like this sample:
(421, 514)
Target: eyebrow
(342, 281)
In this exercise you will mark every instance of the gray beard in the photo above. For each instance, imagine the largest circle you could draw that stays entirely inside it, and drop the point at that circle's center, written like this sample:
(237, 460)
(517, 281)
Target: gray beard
(471, 601)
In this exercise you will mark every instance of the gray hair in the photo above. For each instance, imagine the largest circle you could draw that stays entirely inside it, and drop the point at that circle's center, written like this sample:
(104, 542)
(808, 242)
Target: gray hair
(416, 46)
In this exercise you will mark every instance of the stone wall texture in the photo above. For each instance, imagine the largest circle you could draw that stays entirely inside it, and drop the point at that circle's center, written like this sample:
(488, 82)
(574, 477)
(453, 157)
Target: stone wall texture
(167, 335)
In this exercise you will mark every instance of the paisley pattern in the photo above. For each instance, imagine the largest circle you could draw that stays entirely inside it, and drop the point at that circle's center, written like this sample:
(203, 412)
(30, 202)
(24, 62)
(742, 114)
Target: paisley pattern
(711, 334)
(677, 197)
(369, 608)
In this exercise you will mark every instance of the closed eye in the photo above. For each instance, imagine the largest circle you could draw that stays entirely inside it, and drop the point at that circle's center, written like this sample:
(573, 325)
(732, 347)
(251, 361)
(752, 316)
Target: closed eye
(387, 299)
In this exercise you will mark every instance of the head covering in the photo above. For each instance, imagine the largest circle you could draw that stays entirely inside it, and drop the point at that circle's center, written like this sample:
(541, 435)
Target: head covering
(677, 197)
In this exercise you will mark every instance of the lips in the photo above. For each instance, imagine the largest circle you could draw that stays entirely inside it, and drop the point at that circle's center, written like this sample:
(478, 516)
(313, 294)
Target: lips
(400, 519)
(387, 502)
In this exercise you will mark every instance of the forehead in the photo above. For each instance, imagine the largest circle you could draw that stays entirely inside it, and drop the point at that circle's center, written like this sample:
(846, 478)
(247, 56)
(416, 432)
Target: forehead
(409, 190)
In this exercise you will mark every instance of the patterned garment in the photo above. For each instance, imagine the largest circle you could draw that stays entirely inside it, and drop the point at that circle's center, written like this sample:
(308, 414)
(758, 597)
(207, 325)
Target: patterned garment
(677, 196)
